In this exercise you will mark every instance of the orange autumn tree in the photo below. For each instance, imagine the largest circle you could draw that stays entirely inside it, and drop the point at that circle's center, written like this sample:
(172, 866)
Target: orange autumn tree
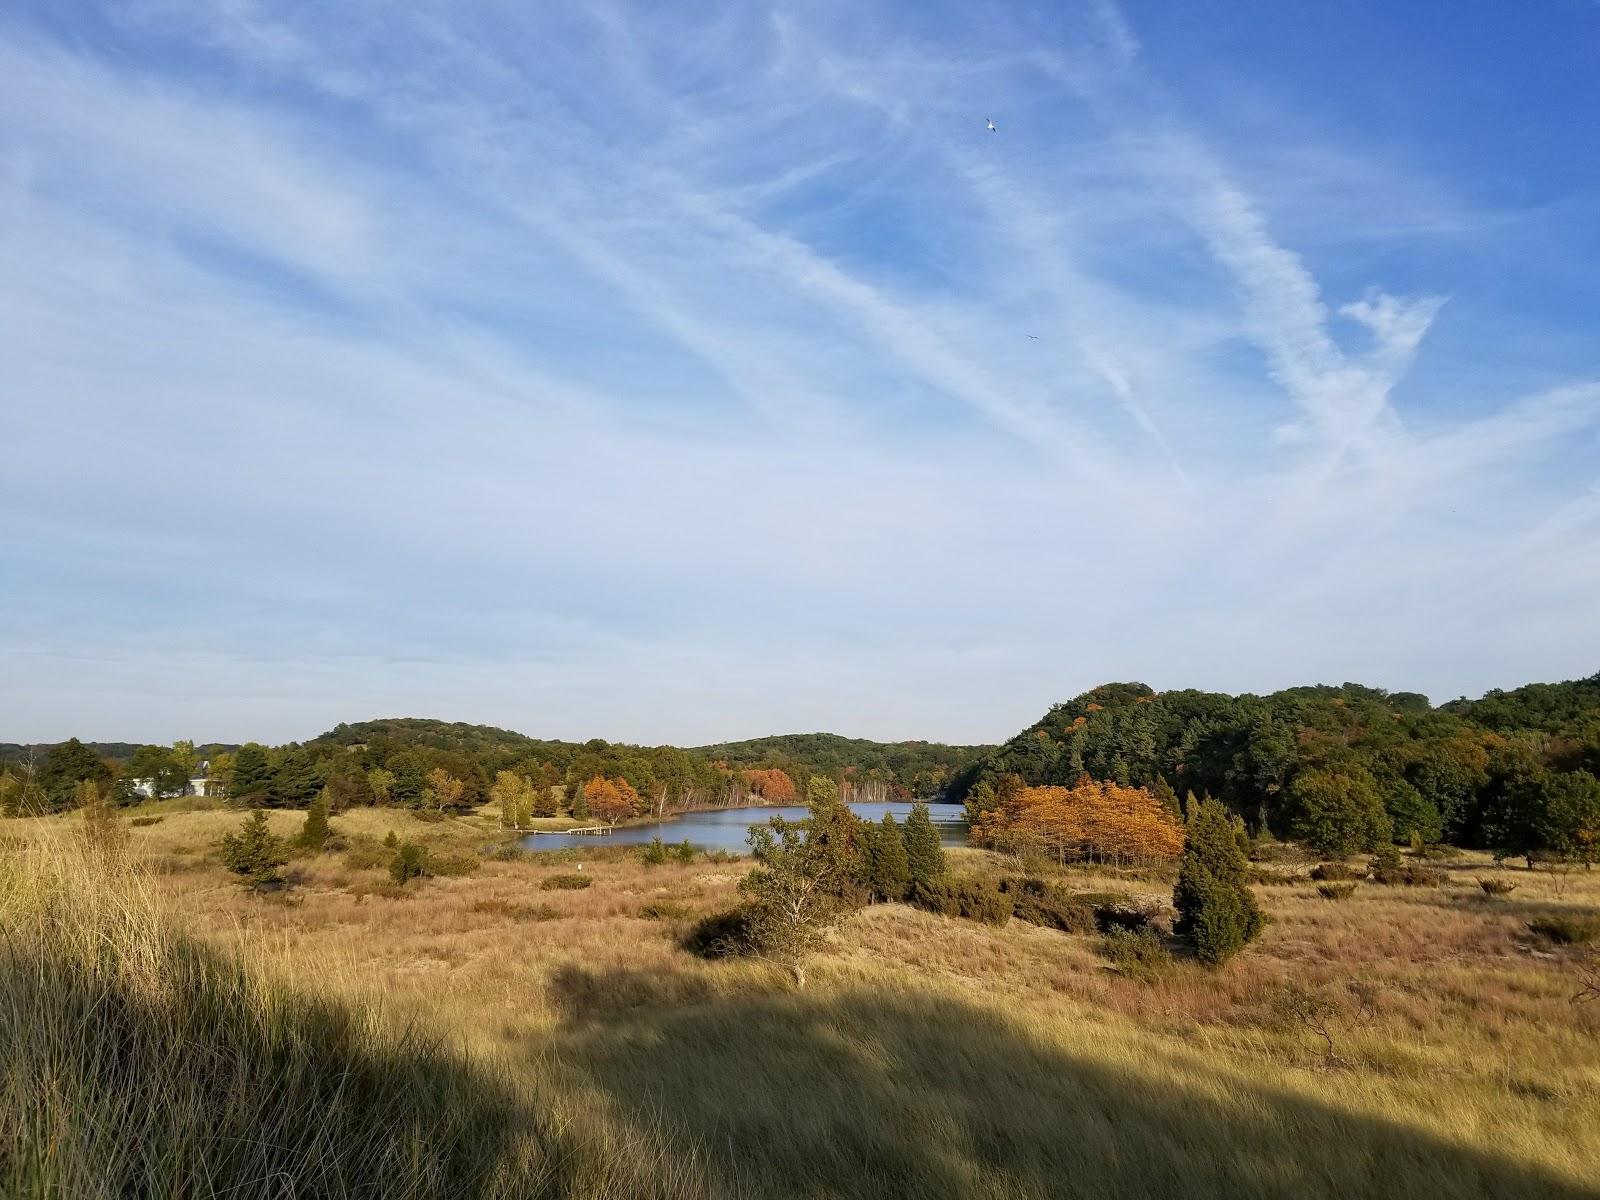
(772, 785)
(1095, 820)
(611, 799)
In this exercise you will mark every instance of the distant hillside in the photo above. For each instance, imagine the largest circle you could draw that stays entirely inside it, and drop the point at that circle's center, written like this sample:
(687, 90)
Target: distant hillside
(116, 751)
(829, 753)
(921, 768)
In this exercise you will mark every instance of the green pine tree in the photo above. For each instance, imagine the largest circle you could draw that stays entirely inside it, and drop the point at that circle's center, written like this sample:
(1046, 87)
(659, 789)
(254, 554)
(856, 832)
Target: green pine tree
(295, 782)
(891, 868)
(255, 853)
(1217, 911)
(924, 854)
(66, 766)
(251, 785)
(314, 834)
(406, 787)
(410, 862)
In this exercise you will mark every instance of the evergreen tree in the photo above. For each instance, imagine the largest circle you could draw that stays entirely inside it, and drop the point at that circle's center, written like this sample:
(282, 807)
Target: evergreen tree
(804, 884)
(295, 783)
(580, 804)
(68, 765)
(314, 833)
(1217, 911)
(255, 853)
(924, 855)
(410, 862)
(251, 785)
(408, 783)
(891, 869)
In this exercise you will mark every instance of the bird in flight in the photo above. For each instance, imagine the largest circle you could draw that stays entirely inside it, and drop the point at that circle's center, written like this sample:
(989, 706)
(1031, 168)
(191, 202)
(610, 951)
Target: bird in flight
(990, 124)
(1034, 336)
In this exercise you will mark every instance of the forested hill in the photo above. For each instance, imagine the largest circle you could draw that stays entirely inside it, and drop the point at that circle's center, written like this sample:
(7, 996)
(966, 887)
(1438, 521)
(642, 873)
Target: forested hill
(1513, 770)
(413, 732)
(912, 767)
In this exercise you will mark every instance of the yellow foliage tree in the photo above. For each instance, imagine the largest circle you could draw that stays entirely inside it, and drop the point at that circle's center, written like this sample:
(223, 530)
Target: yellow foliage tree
(1096, 820)
(444, 790)
(611, 799)
(515, 795)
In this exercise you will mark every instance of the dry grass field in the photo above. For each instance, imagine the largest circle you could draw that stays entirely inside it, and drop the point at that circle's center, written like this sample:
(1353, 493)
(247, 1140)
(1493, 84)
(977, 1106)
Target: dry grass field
(927, 1056)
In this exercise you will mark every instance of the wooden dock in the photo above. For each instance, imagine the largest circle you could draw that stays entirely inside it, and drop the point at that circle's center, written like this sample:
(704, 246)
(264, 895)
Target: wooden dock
(591, 830)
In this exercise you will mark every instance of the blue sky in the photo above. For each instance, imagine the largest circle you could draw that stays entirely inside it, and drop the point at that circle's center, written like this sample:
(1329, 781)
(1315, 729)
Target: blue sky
(686, 372)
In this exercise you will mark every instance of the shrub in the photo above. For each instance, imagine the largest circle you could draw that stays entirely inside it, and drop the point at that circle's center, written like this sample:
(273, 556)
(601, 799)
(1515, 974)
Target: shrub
(143, 822)
(1333, 872)
(410, 862)
(454, 864)
(1038, 903)
(719, 855)
(654, 853)
(1122, 914)
(507, 852)
(684, 852)
(1577, 929)
(1270, 877)
(517, 912)
(254, 853)
(567, 883)
(368, 856)
(1138, 954)
(665, 910)
(1409, 875)
(1386, 857)
(719, 935)
(974, 899)
(1497, 887)
(1336, 891)
(1217, 912)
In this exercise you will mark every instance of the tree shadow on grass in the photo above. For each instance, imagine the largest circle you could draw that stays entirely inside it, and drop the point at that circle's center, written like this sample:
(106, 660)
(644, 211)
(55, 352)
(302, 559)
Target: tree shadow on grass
(139, 1063)
(876, 1094)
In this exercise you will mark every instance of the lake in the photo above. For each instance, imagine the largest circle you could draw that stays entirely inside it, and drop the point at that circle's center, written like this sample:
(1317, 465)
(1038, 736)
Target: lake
(725, 828)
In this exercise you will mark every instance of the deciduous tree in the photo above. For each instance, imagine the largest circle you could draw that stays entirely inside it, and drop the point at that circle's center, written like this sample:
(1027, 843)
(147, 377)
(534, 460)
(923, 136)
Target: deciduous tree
(442, 790)
(1095, 820)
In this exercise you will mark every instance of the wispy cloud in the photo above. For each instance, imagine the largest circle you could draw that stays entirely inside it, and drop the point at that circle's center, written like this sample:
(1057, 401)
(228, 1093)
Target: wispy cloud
(609, 370)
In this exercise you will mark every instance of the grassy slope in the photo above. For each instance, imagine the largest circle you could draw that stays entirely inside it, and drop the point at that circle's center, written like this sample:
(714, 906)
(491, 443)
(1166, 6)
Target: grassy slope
(933, 1057)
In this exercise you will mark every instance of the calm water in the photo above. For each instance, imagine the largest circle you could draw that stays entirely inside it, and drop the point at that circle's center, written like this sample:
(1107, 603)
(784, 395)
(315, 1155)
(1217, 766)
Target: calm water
(725, 828)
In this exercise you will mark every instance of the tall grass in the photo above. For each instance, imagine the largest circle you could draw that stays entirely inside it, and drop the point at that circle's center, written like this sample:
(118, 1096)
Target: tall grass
(593, 1058)
(141, 1063)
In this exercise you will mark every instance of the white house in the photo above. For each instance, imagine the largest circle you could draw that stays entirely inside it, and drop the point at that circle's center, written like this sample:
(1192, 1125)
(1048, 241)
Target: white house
(196, 786)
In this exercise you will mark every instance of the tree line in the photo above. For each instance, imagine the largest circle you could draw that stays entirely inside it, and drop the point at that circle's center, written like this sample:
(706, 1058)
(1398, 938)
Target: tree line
(1345, 769)
(452, 767)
